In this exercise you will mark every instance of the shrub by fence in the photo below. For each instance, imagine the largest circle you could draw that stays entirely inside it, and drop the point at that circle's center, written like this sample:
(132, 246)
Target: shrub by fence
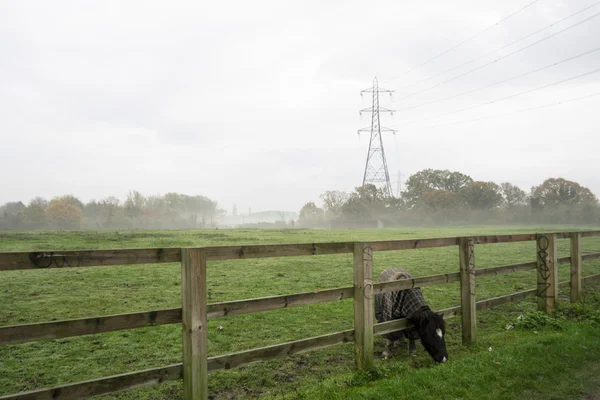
(195, 310)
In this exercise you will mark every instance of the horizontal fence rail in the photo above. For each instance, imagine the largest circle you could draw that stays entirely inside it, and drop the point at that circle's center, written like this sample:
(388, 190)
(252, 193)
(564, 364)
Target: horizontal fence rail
(496, 301)
(239, 307)
(401, 284)
(233, 360)
(156, 376)
(506, 269)
(391, 245)
(85, 326)
(276, 250)
(525, 237)
(591, 278)
(363, 291)
(590, 256)
(100, 386)
(14, 334)
(89, 258)
(589, 234)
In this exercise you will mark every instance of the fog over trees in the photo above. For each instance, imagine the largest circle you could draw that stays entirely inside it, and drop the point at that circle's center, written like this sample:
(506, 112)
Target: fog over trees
(442, 197)
(172, 210)
(431, 197)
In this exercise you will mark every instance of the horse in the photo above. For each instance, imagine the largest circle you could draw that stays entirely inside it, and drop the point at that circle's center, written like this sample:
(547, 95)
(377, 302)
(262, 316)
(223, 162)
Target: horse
(429, 327)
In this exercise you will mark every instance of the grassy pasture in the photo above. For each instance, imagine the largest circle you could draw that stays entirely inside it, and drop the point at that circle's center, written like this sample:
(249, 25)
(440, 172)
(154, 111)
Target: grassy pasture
(54, 294)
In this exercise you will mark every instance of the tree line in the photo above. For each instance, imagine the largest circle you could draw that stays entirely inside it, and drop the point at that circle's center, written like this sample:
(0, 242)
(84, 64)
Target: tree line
(434, 197)
(431, 197)
(172, 210)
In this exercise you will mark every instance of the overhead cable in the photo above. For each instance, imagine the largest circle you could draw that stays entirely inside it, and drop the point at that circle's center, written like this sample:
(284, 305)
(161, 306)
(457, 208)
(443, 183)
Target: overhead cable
(502, 81)
(506, 113)
(508, 97)
(464, 41)
(499, 58)
(501, 48)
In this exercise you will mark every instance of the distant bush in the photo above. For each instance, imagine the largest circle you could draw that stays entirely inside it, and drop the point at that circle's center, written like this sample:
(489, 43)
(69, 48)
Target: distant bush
(63, 214)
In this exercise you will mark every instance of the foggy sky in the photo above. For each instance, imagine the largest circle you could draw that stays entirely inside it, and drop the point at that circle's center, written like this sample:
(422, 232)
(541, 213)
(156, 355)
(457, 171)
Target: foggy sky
(256, 103)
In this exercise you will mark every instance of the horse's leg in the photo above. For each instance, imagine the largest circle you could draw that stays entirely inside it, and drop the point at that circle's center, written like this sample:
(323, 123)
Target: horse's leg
(387, 353)
(393, 340)
(399, 342)
(412, 347)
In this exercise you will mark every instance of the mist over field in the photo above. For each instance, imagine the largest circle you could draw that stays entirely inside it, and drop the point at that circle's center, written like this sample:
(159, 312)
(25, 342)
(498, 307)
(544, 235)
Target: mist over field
(255, 105)
(430, 198)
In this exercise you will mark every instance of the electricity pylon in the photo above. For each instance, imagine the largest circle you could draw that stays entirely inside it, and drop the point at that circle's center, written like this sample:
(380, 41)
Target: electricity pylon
(376, 170)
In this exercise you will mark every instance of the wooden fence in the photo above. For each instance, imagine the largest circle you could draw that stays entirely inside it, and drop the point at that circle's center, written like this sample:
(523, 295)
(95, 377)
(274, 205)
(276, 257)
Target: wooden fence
(195, 311)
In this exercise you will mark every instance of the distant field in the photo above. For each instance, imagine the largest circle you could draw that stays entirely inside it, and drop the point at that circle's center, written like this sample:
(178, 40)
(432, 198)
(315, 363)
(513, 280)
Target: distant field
(54, 294)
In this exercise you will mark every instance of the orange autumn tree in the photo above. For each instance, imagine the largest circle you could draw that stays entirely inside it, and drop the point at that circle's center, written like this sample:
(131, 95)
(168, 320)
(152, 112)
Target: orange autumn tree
(64, 212)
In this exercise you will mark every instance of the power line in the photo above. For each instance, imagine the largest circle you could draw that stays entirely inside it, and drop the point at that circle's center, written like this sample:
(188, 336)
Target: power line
(508, 113)
(464, 41)
(503, 81)
(498, 59)
(501, 48)
(511, 96)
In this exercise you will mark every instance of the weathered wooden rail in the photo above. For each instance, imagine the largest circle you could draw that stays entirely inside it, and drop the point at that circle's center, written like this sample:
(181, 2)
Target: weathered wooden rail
(195, 310)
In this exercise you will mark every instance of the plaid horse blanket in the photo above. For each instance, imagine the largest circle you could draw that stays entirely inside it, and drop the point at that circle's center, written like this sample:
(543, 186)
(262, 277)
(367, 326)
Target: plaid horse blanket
(399, 304)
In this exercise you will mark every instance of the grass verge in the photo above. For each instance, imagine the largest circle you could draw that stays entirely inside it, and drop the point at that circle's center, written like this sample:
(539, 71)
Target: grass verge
(543, 357)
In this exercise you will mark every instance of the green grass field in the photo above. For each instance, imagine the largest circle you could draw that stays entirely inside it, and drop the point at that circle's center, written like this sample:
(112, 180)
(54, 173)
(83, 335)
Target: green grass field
(556, 361)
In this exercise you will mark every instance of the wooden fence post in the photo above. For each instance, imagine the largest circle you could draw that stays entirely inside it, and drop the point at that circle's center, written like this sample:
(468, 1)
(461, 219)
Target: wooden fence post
(467, 290)
(575, 267)
(193, 299)
(363, 306)
(547, 271)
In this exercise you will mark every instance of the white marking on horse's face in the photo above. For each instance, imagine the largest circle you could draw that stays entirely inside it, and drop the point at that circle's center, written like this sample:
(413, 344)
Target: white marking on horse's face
(438, 331)
(444, 359)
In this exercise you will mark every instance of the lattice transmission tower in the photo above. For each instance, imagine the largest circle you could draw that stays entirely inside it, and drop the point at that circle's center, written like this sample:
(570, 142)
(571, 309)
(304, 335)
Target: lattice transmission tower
(376, 170)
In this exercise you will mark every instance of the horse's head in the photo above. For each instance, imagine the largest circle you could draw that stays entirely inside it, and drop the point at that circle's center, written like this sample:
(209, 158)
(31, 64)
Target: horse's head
(432, 332)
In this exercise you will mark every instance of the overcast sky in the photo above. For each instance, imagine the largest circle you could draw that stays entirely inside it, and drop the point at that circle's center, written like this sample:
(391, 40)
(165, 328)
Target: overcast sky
(255, 103)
